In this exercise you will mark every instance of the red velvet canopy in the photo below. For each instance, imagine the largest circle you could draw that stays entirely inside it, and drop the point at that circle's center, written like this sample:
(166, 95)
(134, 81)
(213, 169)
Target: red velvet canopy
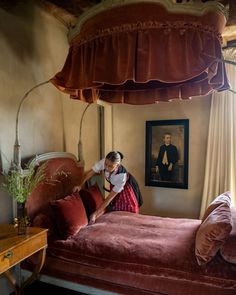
(141, 52)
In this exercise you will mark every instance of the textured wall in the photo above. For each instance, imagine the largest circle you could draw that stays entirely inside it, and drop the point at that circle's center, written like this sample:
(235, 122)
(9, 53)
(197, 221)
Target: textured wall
(129, 137)
(33, 48)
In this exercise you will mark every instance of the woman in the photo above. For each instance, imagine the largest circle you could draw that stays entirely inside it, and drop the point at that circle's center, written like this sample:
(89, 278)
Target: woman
(124, 194)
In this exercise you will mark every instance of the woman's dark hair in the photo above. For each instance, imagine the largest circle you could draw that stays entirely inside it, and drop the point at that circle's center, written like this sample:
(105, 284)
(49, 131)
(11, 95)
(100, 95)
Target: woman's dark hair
(115, 157)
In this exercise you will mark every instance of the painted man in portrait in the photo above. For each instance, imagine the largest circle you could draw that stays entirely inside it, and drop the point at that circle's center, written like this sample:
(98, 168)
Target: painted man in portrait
(167, 158)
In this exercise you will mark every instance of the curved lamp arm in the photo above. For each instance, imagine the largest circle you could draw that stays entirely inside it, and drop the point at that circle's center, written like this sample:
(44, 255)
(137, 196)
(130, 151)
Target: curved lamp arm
(17, 154)
(80, 146)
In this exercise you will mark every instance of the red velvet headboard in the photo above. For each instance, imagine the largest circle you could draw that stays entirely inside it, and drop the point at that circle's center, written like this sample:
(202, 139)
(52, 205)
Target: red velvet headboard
(62, 173)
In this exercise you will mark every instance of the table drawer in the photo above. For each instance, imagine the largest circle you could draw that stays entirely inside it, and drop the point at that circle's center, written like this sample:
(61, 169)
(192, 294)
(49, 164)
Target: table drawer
(21, 251)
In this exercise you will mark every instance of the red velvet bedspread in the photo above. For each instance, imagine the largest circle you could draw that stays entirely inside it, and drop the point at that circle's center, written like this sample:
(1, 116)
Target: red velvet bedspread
(142, 254)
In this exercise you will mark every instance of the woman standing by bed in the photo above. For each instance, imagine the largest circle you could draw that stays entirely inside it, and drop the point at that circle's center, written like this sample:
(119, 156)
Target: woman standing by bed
(124, 194)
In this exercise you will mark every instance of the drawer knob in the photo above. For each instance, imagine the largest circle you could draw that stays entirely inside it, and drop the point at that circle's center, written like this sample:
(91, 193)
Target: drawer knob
(8, 254)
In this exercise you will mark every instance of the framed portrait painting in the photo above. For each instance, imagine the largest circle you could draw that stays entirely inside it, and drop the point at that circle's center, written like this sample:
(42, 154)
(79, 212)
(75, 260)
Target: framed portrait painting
(167, 143)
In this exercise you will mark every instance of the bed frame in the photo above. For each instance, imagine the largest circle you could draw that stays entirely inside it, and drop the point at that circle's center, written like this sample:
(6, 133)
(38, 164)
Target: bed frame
(163, 260)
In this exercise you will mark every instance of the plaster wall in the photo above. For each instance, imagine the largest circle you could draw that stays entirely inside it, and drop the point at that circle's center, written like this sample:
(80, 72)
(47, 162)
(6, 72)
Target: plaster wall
(33, 48)
(129, 137)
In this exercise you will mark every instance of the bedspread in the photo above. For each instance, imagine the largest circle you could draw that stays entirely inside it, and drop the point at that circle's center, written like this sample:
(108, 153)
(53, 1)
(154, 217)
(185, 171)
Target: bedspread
(150, 253)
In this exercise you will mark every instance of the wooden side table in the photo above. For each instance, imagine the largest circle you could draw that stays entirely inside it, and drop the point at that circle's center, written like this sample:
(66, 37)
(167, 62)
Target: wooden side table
(15, 248)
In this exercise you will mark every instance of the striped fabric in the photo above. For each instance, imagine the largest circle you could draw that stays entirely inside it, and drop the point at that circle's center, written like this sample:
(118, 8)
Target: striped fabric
(125, 200)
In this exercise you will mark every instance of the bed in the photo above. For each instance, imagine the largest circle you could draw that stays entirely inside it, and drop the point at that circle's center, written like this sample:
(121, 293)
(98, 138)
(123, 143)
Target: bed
(127, 253)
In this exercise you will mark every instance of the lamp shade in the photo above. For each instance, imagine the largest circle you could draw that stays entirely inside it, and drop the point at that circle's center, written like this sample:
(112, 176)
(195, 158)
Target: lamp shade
(142, 52)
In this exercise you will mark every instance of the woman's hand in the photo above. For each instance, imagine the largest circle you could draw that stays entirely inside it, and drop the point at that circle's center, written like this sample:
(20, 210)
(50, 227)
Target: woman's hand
(93, 218)
(102, 208)
(76, 189)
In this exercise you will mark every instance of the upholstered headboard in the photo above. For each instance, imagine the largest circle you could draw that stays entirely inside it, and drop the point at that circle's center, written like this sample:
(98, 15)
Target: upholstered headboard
(62, 173)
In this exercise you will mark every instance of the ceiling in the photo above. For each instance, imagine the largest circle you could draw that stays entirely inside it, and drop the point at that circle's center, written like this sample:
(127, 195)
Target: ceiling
(74, 8)
(68, 11)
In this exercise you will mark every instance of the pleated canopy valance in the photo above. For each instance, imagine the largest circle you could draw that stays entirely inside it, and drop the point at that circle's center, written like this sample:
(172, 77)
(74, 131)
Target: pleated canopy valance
(142, 52)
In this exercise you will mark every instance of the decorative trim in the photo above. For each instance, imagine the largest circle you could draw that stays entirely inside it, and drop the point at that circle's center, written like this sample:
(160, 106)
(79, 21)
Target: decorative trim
(167, 26)
(52, 155)
(197, 9)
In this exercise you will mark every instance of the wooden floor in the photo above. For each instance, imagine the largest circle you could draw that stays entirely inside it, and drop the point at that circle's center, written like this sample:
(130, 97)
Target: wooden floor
(41, 288)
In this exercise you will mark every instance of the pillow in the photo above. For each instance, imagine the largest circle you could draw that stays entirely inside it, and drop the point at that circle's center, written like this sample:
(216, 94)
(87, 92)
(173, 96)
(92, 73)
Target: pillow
(92, 198)
(223, 198)
(70, 215)
(44, 221)
(228, 250)
(212, 233)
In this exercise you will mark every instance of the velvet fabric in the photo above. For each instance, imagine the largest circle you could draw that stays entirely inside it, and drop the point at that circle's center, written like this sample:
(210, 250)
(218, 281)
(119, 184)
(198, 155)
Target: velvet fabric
(144, 253)
(228, 250)
(213, 233)
(127, 253)
(61, 175)
(224, 198)
(45, 221)
(141, 53)
(70, 215)
(92, 199)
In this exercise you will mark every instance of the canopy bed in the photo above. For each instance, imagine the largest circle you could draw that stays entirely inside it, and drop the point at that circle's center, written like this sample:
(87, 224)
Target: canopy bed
(137, 52)
(127, 253)
(142, 52)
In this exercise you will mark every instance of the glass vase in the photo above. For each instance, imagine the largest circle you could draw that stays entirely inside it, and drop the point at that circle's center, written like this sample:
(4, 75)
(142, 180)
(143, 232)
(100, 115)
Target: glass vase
(22, 220)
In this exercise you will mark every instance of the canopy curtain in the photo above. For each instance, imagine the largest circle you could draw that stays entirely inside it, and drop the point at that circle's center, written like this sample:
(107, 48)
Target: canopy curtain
(220, 169)
(142, 52)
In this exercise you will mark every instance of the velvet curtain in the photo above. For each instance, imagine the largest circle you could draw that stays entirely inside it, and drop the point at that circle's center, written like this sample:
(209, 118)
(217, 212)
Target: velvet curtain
(142, 54)
(220, 171)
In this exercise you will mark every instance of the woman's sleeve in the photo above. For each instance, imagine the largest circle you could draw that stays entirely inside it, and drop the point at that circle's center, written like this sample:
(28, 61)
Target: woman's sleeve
(99, 166)
(118, 181)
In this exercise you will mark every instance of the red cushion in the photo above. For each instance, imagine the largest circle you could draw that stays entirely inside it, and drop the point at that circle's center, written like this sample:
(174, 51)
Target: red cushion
(70, 215)
(92, 198)
(221, 199)
(213, 233)
(228, 250)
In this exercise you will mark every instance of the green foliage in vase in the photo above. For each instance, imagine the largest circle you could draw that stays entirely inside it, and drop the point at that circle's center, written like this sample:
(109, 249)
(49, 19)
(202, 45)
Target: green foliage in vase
(19, 184)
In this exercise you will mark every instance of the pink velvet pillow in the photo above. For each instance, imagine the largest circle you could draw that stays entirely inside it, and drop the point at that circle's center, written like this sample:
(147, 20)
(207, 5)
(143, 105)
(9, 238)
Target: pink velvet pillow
(213, 233)
(70, 215)
(92, 199)
(228, 250)
(223, 198)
